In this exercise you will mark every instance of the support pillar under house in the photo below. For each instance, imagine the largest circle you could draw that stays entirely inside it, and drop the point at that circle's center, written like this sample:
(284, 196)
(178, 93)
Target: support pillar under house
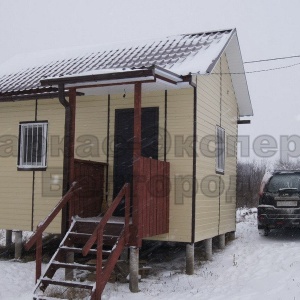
(18, 244)
(190, 258)
(124, 254)
(8, 238)
(69, 273)
(231, 235)
(221, 241)
(134, 269)
(208, 248)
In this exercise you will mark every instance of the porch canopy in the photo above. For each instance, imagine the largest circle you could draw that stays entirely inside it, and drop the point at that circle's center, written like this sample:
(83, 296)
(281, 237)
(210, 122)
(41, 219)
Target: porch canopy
(116, 80)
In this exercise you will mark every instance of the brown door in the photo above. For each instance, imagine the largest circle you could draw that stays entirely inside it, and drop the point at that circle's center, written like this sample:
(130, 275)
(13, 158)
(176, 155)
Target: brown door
(88, 201)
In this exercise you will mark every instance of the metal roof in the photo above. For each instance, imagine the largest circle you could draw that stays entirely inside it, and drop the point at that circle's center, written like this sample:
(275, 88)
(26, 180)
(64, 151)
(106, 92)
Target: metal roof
(181, 54)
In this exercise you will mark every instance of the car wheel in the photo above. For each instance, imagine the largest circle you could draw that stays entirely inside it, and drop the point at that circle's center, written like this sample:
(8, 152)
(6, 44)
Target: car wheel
(266, 231)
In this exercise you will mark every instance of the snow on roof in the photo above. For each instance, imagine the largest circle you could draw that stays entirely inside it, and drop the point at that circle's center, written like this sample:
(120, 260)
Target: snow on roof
(181, 54)
(94, 72)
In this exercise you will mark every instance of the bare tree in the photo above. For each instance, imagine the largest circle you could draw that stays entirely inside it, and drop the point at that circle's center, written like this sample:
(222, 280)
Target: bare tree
(287, 165)
(249, 176)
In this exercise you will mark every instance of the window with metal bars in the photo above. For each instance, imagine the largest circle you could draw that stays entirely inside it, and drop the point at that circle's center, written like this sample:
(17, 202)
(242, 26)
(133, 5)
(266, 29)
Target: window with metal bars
(220, 150)
(32, 145)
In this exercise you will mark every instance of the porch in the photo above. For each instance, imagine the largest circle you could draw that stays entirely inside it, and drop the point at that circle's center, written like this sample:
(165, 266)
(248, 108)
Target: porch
(141, 200)
(134, 160)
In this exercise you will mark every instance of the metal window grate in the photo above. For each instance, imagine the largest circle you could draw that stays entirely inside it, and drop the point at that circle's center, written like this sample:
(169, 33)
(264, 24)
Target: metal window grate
(33, 145)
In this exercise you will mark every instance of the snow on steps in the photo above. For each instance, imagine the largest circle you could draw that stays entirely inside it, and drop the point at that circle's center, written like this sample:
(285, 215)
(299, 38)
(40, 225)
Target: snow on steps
(36, 297)
(66, 283)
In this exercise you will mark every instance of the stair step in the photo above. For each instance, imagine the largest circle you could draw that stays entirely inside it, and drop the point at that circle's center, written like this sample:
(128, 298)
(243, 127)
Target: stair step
(79, 250)
(110, 240)
(93, 262)
(37, 297)
(75, 284)
(80, 237)
(89, 227)
(74, 266)
(79, 234)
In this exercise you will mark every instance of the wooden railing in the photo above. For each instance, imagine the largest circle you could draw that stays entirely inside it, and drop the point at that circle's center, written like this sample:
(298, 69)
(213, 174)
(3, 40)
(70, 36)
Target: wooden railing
(36, 238)
(151, 198)
(103, 274)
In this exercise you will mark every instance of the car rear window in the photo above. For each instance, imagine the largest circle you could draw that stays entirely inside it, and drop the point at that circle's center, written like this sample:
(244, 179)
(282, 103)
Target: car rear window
(284, 181)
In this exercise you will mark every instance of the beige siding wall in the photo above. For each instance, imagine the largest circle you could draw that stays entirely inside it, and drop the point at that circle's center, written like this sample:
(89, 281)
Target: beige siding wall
(15, 187)
(91, 130)
(17, 200)
(215, 213)
(180, 129)
(229, 123)
(47, 184)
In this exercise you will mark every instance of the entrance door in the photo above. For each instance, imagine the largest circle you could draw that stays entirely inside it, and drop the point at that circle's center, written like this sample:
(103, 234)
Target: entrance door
(123, 150)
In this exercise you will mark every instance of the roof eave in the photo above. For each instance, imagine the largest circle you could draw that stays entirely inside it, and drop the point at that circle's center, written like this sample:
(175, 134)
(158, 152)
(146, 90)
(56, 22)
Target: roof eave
(238, 76)
(32, 96)
(149, 74)
(108, 78)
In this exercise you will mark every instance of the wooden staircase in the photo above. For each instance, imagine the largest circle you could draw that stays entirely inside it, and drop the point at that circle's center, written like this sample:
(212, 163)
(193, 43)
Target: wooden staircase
(101, 239)
(79, 233)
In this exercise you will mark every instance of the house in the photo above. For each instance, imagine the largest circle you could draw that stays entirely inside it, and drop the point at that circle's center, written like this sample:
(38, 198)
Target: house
(156, 120)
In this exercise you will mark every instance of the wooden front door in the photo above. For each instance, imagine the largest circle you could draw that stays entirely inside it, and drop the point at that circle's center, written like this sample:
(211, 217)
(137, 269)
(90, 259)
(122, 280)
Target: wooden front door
(88, 201)
(123, 150)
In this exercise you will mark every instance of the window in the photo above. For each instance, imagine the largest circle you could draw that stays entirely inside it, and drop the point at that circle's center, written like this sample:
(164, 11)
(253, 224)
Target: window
(32, 145)
(220, 150)
(284, 181)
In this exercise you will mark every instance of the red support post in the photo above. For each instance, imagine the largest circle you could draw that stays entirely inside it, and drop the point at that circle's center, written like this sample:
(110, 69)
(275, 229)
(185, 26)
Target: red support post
(99, 263)
(38, 266)
(137, 146)
(137, 130)
(127, 213)
(72, 103)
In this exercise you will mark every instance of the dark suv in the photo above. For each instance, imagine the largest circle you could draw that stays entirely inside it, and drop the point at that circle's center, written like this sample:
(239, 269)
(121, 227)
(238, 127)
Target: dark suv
(279, 201)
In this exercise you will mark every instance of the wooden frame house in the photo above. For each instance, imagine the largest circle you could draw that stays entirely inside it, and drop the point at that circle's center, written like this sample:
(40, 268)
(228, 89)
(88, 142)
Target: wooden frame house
(151, 124)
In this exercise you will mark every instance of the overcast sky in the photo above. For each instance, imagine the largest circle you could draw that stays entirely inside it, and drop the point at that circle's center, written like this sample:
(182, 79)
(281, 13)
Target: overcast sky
(266, 29)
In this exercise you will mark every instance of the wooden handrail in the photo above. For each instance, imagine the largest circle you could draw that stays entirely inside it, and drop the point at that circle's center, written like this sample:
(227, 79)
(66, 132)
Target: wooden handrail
(123, 192)
(102, 274)
(44, 224)
(36, 238)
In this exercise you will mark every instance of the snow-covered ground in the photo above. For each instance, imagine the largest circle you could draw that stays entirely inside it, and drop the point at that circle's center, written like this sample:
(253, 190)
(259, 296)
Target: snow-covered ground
(251, 267)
